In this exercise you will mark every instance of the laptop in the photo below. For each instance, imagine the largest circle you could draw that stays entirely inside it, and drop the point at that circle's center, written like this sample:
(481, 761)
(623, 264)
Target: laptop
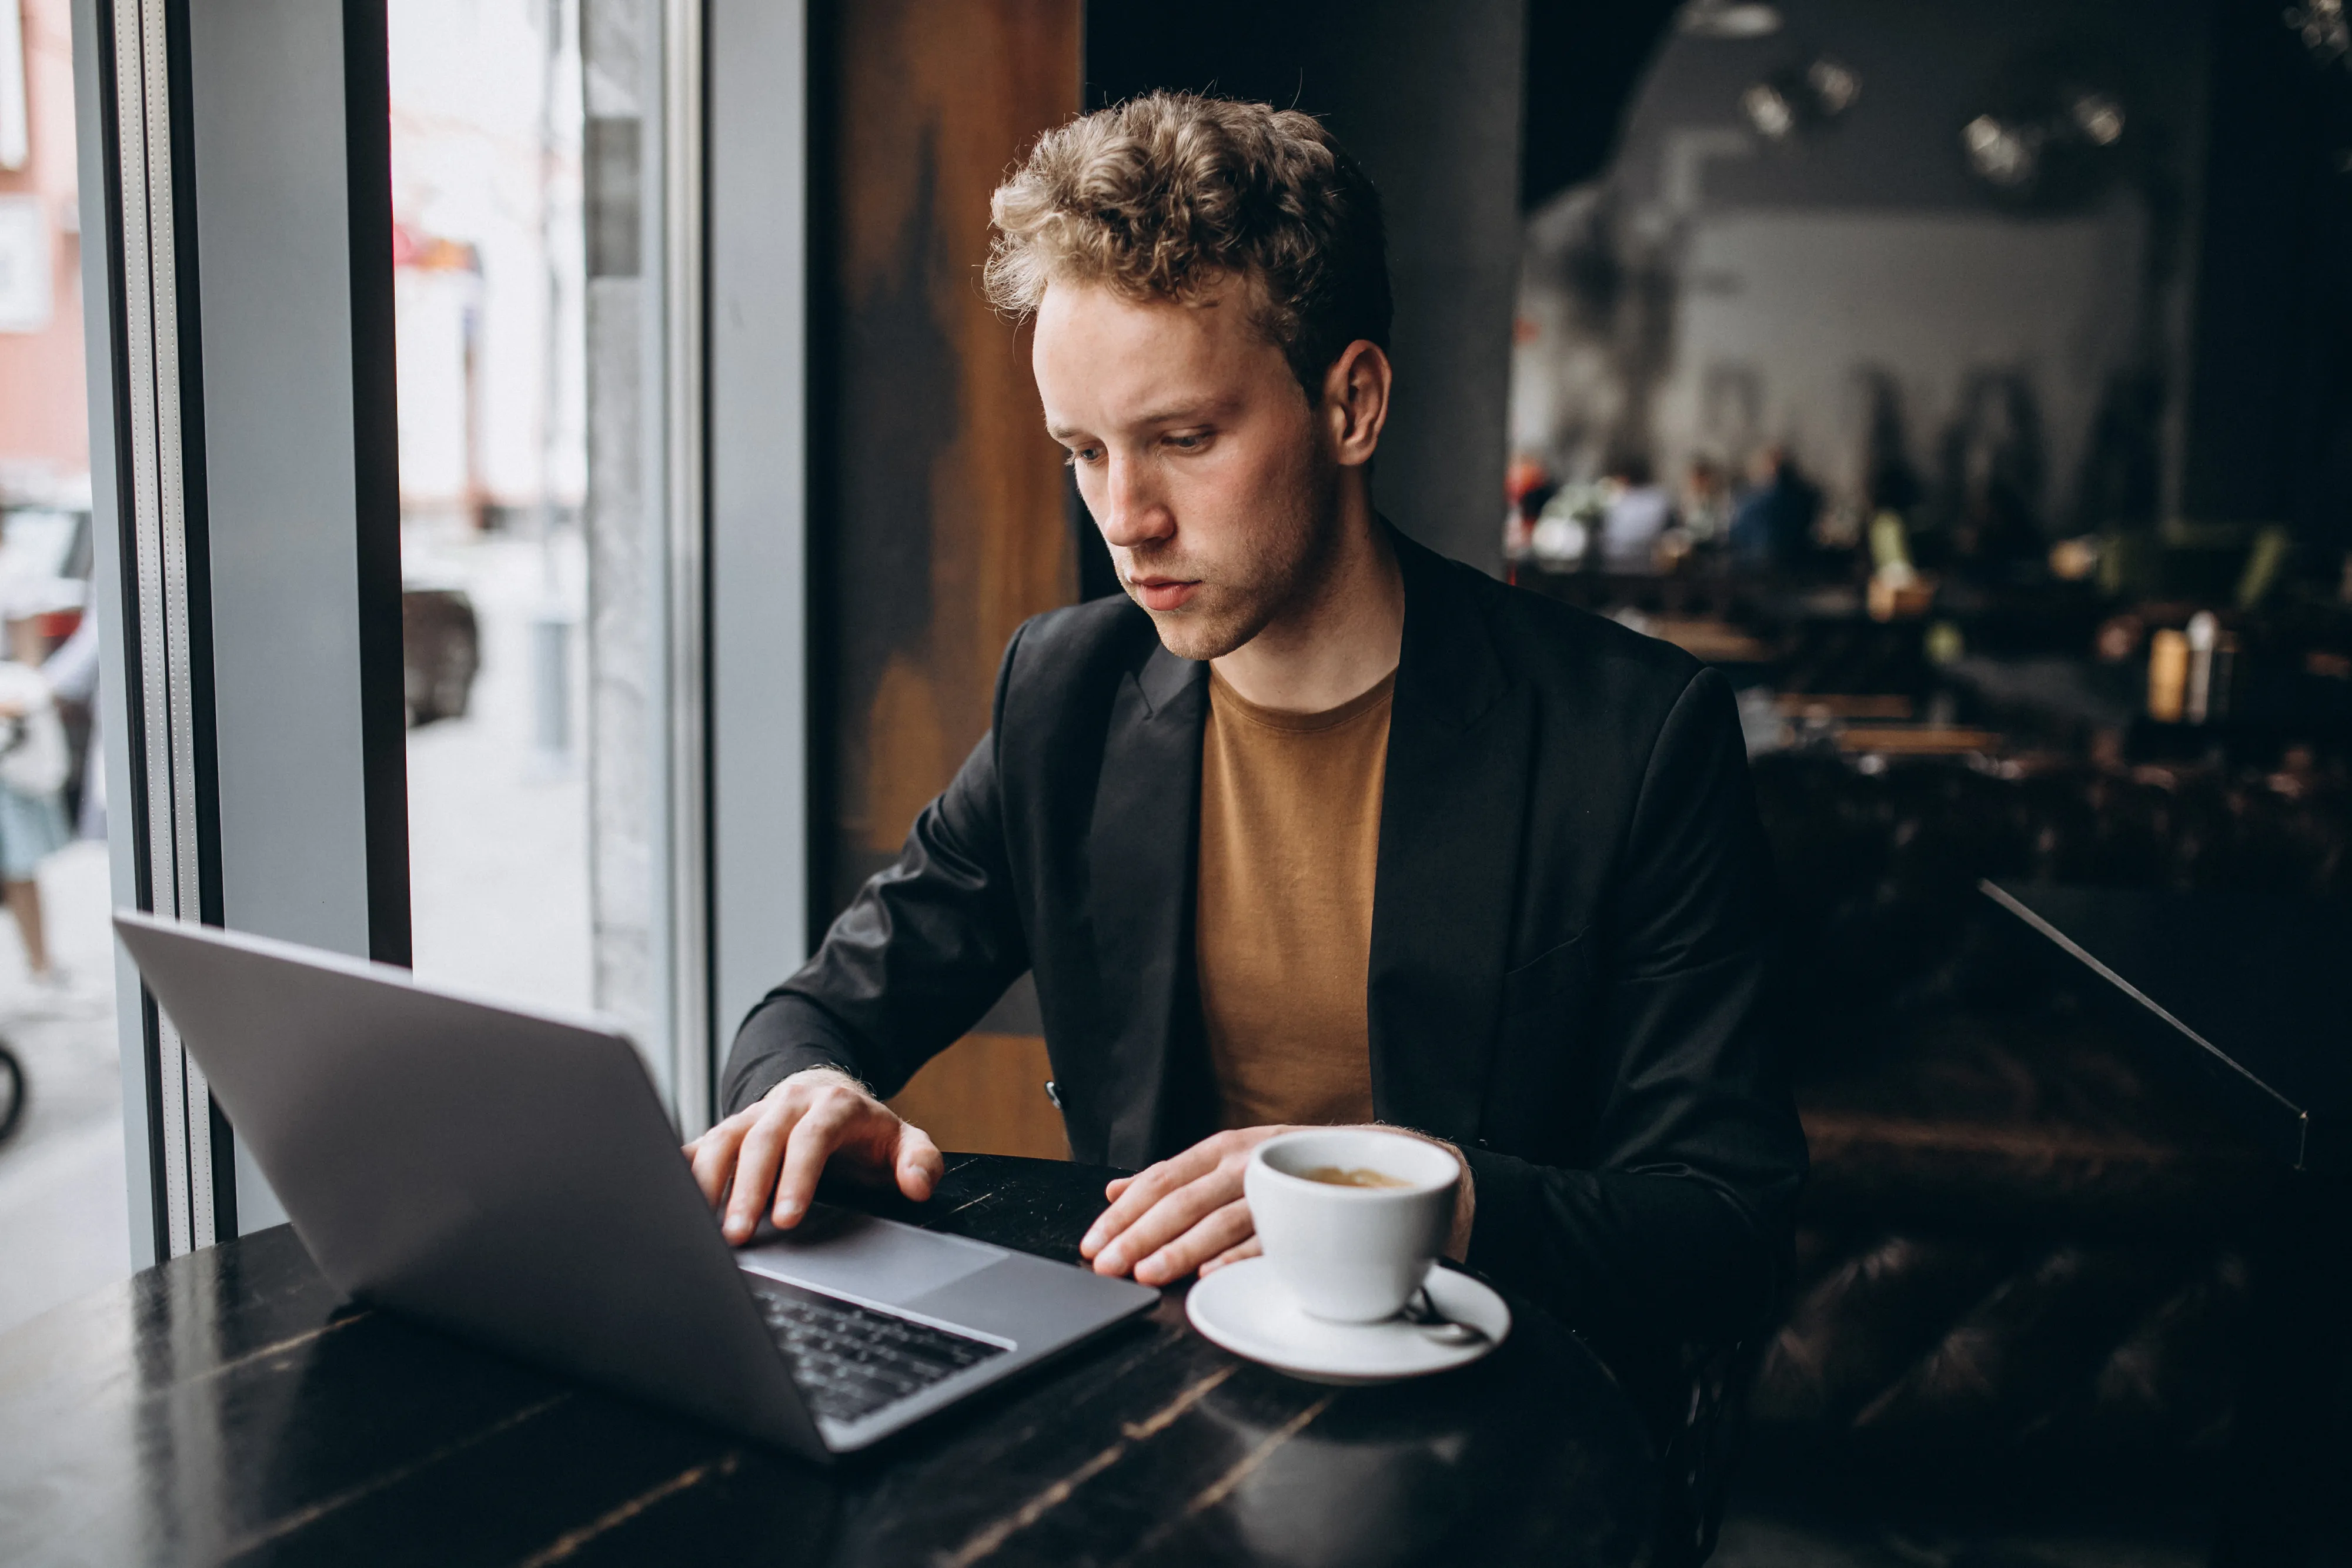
(510, 1176)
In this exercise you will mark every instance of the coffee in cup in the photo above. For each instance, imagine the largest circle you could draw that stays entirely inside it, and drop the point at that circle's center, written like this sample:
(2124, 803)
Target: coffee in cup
(1353, 1176)
(1351, 1218)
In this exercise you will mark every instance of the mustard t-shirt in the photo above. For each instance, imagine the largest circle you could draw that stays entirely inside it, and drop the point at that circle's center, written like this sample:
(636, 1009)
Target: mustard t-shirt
(1290, 828)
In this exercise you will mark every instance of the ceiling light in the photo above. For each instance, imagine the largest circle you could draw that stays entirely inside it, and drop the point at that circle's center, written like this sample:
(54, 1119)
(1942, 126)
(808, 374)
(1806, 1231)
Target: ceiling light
(1728, 19)
(1836, 85)
(1797, 98)
(2098, 117)
(2324, 28)
(2003, 154)
(1768, 111)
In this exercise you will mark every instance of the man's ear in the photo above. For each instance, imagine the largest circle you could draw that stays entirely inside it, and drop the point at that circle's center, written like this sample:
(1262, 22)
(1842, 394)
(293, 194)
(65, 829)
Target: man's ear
(1356, 401)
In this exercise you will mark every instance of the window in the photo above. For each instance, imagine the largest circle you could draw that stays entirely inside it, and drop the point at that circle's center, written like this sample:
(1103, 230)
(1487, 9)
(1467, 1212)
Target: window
(61, 1169)
(488, 288)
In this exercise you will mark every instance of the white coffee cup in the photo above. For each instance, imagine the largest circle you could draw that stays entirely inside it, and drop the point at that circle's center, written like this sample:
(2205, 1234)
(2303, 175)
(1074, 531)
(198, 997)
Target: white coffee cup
(1352, 1254)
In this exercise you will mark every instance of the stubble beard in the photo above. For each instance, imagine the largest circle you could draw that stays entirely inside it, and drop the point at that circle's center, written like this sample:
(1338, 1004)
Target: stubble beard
(1276, 567)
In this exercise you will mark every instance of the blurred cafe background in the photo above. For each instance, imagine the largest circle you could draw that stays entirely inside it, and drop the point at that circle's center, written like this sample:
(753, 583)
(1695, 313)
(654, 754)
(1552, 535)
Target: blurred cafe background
(1969, 379)
(1973, 384)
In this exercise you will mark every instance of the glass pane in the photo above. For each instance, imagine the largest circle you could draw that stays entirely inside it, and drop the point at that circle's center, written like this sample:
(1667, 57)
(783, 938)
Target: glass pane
(63, 1229)
(488, 286)
(524, 138)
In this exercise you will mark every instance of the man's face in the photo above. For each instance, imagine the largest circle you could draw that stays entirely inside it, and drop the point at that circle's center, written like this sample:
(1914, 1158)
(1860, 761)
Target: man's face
(1210, 474)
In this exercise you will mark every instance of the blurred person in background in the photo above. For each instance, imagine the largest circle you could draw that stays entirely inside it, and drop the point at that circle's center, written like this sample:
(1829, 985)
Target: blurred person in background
(1705, 508)
(1773, 524)
(72, 676)
(36, 759)
(34, 763)
(1992, 470)
(1528, 485)
(1640, 512)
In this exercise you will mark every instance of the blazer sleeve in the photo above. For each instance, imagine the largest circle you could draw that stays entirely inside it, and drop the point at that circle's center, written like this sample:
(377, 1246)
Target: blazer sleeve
(1682, 1221)
(927, 947)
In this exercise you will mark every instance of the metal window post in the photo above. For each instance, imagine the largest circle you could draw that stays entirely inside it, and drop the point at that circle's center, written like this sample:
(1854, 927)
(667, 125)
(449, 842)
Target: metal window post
(687, 569)
(237, 281)
(758, 227)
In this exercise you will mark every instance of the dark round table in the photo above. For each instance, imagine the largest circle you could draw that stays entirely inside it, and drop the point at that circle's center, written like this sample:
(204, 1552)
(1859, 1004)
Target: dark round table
(226, 1406)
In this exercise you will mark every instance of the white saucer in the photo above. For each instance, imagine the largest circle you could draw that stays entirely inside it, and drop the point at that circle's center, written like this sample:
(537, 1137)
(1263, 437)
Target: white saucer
(1245, 1308)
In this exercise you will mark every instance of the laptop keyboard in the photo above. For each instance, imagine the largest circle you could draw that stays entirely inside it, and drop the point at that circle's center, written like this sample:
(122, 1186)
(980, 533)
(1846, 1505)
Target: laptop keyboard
(851, 1360)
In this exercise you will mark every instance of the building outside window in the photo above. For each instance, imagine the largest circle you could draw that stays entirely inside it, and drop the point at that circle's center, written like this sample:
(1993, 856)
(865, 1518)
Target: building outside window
(491, 310)
(62, 1164)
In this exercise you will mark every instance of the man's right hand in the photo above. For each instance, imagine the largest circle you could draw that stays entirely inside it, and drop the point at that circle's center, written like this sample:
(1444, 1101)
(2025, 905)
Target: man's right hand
(770, 1155)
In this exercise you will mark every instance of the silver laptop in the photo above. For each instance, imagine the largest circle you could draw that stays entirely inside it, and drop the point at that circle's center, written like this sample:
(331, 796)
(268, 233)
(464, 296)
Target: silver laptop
(510, 1176)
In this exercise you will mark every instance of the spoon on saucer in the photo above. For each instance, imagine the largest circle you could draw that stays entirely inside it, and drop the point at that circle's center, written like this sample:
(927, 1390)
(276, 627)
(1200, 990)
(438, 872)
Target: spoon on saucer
(1423, 1313)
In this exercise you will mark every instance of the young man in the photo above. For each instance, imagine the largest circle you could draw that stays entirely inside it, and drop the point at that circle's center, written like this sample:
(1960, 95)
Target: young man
(1319, 828)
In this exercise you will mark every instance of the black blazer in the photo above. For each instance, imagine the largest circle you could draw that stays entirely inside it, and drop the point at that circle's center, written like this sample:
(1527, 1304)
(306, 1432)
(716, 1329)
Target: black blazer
(1569, 930)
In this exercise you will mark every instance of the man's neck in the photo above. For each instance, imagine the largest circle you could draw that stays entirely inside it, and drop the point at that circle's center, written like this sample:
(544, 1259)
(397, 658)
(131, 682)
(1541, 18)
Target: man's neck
(1341, 638)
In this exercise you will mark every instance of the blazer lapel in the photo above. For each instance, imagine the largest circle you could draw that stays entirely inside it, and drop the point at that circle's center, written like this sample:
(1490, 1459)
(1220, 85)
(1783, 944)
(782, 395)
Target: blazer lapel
(1452, 820)
(1145, 835)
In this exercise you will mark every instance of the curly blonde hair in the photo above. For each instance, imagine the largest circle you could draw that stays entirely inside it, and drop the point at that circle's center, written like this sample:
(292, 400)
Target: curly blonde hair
(1170, 194)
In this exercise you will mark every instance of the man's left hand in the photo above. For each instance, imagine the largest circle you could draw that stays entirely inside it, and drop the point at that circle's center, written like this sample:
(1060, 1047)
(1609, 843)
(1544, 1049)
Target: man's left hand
(1187, 1214)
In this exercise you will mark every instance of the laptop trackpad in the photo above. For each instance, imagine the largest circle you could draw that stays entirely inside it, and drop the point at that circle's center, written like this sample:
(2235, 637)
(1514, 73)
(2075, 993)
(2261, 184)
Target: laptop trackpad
(856, 1254)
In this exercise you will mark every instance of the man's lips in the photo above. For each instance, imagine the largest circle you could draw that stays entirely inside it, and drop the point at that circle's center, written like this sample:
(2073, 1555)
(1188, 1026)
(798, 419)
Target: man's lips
(1162, 593)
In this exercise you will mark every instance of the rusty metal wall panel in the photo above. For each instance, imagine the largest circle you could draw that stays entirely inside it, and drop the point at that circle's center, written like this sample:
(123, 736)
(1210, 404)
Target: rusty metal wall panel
(940, 523)
(940, 520)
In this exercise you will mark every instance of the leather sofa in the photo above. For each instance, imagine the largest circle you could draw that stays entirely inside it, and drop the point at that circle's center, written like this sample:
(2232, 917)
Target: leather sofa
(2021, 1239)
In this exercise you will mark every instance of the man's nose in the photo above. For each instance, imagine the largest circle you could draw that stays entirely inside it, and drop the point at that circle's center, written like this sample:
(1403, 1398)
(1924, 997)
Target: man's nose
(1131, 510)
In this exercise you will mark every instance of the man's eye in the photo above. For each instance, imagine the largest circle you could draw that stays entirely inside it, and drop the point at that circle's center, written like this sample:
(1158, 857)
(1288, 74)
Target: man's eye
(1192, 442)
(1077, 454)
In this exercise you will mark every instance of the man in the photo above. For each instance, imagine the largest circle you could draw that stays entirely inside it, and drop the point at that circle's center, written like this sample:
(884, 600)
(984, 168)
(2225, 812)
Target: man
(1319, 828)
(1773, 524)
